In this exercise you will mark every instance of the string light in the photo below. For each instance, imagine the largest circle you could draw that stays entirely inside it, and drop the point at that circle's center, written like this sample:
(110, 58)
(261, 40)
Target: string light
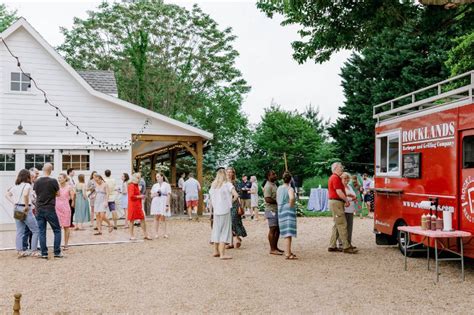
(122, 145)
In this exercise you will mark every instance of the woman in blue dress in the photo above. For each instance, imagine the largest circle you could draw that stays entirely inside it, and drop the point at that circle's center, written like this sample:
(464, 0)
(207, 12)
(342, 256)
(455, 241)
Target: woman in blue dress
(287, 214)
(82, 214)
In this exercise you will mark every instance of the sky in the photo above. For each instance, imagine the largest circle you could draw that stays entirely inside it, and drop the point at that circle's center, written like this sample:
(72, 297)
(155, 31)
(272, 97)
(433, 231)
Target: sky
(265, 52)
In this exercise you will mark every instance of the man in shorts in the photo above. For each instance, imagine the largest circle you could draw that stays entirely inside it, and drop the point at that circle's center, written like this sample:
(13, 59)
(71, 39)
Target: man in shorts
(191, 188)
(244, 190)
(271, 212)
(112, 190)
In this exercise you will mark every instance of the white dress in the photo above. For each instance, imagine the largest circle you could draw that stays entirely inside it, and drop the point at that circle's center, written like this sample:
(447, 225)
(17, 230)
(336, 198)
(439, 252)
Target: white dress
(254, 197)
(158, 204)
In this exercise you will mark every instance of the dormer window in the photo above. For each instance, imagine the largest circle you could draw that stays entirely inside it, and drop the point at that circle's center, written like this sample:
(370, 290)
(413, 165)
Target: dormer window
(20, 82)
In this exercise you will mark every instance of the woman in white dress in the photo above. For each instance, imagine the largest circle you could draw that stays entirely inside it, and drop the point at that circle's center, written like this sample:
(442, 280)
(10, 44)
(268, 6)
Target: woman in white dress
(160, 203)
(254, 197)
(101, 204)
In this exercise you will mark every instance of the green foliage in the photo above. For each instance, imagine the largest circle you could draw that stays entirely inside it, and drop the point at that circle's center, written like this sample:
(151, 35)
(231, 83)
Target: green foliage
(396, 62)
(328, 26)
(461, 56)
(279, 132)
(6, 17)
(167, 59)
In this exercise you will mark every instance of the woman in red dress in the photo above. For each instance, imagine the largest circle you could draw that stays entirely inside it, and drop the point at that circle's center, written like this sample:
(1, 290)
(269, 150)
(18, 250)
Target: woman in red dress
(135, 211)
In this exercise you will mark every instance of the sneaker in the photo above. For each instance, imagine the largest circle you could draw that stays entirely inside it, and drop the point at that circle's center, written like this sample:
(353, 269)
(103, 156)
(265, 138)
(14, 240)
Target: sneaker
(43, 256)
(334, 249)
(349, 250)
(61, 255)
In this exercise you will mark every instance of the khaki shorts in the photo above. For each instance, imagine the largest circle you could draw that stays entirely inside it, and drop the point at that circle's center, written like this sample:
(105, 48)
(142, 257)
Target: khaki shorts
(245, 203)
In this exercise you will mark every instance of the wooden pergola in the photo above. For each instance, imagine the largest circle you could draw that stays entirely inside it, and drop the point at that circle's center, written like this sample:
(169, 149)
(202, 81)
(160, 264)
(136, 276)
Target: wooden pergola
(159, 148)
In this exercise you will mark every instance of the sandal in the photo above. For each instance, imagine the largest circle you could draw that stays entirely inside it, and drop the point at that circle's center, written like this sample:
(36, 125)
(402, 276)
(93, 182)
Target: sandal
(291, 257)
(229, 246)
(147, 238)
(98, 233)
(278, 253)
(238, 244)
(133, 238)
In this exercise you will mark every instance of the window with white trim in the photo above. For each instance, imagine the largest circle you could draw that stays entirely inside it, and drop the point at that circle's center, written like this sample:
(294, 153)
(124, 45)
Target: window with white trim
(78, 162)
(38, 160)
(388, 154)
(7, 162)
(20, 82)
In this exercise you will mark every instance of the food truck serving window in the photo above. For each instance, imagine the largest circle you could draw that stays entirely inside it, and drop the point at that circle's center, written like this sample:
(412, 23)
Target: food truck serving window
(388, 154)
(468, 152)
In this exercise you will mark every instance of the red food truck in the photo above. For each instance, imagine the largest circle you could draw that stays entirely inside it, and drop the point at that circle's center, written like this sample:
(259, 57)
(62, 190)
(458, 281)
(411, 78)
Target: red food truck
(424, 150)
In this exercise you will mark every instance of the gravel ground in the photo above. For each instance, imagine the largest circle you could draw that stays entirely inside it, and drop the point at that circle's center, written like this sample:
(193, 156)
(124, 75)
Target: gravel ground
(179, 275)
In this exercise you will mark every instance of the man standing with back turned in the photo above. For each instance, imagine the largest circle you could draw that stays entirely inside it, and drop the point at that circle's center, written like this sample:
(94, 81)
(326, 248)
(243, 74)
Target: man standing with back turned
(46, 189)
(337, 201)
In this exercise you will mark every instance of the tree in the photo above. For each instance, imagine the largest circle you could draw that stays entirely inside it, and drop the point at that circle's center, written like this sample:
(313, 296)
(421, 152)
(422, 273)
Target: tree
(167, 59)
(6, 17)
(283, 132)
(395, 64)
(461, 56)
(328, 26)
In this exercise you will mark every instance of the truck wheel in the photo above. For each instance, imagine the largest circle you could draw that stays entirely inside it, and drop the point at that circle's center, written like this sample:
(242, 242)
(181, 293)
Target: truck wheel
(402, 242)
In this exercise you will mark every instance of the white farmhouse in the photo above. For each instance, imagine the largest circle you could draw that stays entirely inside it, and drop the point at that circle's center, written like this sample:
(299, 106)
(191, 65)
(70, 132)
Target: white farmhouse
(32, 132)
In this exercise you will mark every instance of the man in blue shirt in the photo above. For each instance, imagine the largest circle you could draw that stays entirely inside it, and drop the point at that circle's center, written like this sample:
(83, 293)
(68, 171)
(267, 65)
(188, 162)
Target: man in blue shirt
(244, 191)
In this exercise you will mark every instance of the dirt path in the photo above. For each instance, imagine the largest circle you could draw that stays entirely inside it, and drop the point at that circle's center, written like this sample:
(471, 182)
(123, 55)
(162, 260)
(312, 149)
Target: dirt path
(180, 276)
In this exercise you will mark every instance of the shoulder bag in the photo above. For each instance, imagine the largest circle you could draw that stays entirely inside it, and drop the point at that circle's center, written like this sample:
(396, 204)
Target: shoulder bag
(19, 210)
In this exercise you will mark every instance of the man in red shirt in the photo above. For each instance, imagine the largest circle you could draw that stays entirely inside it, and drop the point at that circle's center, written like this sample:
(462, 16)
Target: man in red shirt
(337, 201)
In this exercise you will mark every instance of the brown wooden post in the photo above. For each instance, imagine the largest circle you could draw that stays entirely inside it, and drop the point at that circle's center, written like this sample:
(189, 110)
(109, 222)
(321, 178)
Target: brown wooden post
(199, 173)
(16, 304)
(153, 168)
(173, 158)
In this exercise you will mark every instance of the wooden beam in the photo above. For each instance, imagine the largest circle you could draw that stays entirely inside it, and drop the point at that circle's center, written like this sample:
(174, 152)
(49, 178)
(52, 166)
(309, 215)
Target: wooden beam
(199, 173)
(173, 158)
(153, 168)
(189, 148)
(170, 138)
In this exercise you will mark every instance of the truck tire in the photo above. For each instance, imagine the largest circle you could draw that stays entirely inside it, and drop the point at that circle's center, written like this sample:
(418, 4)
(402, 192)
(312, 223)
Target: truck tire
(384, 239)
(401, 242)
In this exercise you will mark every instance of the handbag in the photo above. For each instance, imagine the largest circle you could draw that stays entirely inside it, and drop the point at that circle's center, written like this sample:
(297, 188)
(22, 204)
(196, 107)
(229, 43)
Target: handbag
(240, 210)
(19, 210)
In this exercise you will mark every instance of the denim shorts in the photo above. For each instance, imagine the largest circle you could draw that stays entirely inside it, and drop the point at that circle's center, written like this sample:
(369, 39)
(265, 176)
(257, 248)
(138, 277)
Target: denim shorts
(272, 218)
(111, 205)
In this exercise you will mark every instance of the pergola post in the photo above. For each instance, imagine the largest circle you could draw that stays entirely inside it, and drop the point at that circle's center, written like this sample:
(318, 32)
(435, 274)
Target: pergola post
(153, 168)
(199, 173)
(173, 158)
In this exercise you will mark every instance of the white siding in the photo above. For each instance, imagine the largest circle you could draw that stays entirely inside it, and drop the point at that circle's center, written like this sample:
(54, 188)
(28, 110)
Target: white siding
(108, 121)
(45, 132)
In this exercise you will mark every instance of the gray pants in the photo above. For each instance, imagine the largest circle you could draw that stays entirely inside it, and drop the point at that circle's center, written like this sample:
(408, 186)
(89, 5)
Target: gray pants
(350, 224)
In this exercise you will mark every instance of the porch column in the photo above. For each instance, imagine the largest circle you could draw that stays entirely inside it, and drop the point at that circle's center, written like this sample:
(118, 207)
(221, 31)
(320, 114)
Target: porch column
(153, 168)
(173, 158)
(199, 173)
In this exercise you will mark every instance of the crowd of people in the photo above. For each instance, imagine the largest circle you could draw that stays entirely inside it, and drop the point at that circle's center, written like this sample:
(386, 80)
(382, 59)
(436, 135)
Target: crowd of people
(66, 203)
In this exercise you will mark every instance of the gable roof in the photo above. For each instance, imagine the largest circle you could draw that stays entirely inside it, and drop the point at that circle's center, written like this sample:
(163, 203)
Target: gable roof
(22, 22)
(100, 80)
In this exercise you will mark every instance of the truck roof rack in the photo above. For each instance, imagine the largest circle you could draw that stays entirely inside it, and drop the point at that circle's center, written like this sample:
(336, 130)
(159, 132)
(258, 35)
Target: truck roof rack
(455, 89)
